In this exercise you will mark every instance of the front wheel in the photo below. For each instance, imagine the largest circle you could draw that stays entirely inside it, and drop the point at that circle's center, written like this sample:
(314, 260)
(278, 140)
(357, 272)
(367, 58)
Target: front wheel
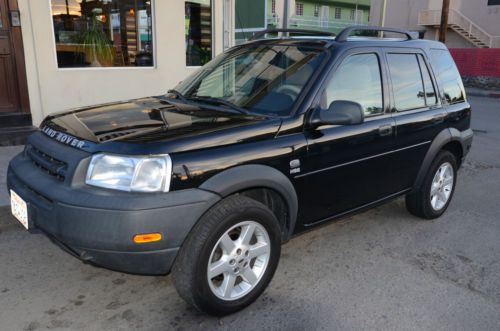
(432, 199)
(229, 257)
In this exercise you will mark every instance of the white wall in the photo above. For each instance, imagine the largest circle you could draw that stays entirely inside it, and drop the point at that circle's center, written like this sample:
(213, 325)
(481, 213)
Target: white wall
(52, 89)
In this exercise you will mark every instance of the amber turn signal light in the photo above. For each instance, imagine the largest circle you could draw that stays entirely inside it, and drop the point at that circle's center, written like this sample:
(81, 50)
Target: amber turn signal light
(147, 238)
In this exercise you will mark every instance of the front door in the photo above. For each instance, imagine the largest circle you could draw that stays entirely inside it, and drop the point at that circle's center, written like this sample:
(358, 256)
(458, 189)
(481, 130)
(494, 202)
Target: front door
(325, 16)
(13, 86)
(349, 166)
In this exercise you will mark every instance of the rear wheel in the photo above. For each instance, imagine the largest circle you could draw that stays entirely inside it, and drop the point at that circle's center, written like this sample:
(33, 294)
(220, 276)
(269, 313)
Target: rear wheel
(229, 257)
(433, 197)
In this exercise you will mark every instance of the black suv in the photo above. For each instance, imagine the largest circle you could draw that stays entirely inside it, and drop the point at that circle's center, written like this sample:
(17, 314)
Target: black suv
(266, 141)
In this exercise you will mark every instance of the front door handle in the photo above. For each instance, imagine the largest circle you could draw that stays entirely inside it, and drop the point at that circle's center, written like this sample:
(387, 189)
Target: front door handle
(385, 130)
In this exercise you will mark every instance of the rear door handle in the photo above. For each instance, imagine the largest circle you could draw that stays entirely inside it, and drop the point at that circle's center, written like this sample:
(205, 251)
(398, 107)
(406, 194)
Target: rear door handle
(438, 118)
(385, 130)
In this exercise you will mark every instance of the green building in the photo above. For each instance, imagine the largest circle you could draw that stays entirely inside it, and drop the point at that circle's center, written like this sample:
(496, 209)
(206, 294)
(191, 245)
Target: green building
(327, 15)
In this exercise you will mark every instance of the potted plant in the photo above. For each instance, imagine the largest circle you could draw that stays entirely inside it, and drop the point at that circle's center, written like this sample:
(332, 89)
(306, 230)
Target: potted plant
(96, 44)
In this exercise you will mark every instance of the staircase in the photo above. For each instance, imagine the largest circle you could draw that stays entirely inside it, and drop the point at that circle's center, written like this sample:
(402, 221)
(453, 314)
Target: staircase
(461, 25)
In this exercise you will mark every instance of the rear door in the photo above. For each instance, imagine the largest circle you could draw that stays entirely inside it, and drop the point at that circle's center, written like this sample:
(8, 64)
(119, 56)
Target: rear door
(348, 166)
(416, 109)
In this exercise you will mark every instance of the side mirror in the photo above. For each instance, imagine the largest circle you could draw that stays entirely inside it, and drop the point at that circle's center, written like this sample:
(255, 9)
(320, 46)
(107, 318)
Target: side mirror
(340, 112)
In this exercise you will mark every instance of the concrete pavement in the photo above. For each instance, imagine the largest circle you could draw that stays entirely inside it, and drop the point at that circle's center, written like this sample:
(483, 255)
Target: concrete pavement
(6, 154)
(379, 270)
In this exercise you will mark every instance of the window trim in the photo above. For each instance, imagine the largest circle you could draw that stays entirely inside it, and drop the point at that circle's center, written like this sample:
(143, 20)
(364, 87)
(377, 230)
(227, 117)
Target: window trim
(134, 68)
(383, 81)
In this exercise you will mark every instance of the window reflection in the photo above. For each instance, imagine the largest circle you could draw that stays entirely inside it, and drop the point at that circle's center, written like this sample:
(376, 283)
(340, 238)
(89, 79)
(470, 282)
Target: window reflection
(198, 34)
(263, 79)
(407, 83)
(103, 33)
(430, 92)
(448, 76)
(357, 79)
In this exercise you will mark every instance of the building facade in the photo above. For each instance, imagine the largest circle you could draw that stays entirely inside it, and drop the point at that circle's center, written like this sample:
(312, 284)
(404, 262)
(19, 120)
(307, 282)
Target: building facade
(330, 15)
(471, 23)
(327, 15)
(63, 54)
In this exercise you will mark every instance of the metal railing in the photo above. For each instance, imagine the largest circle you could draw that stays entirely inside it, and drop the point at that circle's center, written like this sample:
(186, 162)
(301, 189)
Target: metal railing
(320, 23)
(273, 20)
(471, 29)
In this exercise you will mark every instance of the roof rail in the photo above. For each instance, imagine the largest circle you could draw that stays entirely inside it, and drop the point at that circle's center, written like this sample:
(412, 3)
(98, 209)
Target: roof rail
(344, 34)
(259, 34)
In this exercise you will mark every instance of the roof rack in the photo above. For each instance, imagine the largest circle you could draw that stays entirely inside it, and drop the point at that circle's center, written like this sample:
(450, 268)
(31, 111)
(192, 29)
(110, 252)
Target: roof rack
(259, 34)
(346, 33)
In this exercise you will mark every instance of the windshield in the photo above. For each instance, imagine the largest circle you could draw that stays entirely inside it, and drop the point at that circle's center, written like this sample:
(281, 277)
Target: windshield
(262, 79)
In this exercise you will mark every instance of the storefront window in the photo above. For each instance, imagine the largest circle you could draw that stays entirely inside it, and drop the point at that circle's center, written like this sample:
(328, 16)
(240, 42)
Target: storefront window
(103, 33)
(198, 32)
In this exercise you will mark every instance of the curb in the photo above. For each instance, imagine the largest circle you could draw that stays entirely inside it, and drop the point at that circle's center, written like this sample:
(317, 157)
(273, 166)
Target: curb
(486, 94)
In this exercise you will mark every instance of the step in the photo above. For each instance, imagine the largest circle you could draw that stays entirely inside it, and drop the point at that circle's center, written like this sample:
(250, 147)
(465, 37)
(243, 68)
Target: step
(15, 135)
(8, 120)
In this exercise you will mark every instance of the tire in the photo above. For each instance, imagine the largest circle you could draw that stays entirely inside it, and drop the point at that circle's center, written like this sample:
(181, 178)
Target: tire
(208, 242)
(421, 203)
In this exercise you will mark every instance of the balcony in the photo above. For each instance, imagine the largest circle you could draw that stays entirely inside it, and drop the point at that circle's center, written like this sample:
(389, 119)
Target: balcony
(317, 23)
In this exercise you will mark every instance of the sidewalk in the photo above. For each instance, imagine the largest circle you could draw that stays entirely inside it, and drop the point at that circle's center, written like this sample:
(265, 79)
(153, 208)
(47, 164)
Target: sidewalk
(6, 154)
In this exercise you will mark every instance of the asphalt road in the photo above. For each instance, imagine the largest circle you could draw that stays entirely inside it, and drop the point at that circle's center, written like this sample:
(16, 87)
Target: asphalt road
(380, 270)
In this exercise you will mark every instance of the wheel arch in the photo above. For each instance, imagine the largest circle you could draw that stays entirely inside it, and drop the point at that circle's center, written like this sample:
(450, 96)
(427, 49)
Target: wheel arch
(262, 183)
(449, 139)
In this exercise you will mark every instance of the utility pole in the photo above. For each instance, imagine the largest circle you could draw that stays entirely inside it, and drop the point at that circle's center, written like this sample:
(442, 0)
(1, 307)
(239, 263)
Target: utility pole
(444, 20)
(286, 12)
(383, 9)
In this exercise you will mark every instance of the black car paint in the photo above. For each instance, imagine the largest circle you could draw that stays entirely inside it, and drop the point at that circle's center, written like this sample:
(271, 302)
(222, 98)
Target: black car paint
(342, 168)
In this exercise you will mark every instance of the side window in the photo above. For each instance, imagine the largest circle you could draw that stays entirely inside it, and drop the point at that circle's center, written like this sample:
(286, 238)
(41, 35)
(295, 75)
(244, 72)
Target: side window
(407, 82)
(448, 77)
(357, 79)
(430, 91)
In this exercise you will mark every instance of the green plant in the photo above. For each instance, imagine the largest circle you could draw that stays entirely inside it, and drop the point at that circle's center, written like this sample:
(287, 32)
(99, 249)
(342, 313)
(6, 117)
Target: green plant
(95, 42)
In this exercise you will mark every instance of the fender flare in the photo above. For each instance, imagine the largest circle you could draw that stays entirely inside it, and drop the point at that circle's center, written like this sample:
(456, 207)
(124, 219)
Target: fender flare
(443, 138)
(250, 176)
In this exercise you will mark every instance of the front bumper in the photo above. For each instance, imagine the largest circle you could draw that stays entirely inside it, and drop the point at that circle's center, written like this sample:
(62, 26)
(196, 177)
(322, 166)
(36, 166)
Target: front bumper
(98, 225)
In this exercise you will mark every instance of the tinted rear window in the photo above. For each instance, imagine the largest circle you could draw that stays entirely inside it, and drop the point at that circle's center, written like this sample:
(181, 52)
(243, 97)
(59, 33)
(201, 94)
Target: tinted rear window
(449, 80)
(407, 82)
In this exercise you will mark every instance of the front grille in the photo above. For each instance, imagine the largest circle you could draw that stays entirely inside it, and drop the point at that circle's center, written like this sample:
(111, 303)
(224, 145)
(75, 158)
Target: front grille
(52, 166)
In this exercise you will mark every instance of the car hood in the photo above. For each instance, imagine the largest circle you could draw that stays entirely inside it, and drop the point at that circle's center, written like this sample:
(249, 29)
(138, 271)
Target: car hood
(170, 125)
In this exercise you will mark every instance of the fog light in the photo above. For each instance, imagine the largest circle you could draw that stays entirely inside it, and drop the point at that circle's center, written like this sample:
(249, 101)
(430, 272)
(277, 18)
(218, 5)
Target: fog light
(147, 238)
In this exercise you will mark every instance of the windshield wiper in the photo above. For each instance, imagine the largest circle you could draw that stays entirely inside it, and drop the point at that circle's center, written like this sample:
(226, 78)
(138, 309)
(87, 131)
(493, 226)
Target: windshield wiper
(223, 102)
(178, 94)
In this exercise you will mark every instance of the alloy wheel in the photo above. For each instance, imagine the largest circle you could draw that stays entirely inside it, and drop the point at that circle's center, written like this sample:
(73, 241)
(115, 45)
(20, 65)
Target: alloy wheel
(239, 260)
(442, 186)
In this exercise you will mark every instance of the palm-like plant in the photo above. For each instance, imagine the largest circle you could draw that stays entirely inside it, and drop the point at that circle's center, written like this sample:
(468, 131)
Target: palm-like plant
(94, 41)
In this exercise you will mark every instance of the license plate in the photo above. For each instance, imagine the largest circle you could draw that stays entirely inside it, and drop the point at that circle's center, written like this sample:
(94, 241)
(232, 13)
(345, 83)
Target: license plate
(19, 208)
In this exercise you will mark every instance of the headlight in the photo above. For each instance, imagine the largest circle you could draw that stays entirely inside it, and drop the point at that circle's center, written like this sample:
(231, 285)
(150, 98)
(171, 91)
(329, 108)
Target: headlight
(133, 174)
